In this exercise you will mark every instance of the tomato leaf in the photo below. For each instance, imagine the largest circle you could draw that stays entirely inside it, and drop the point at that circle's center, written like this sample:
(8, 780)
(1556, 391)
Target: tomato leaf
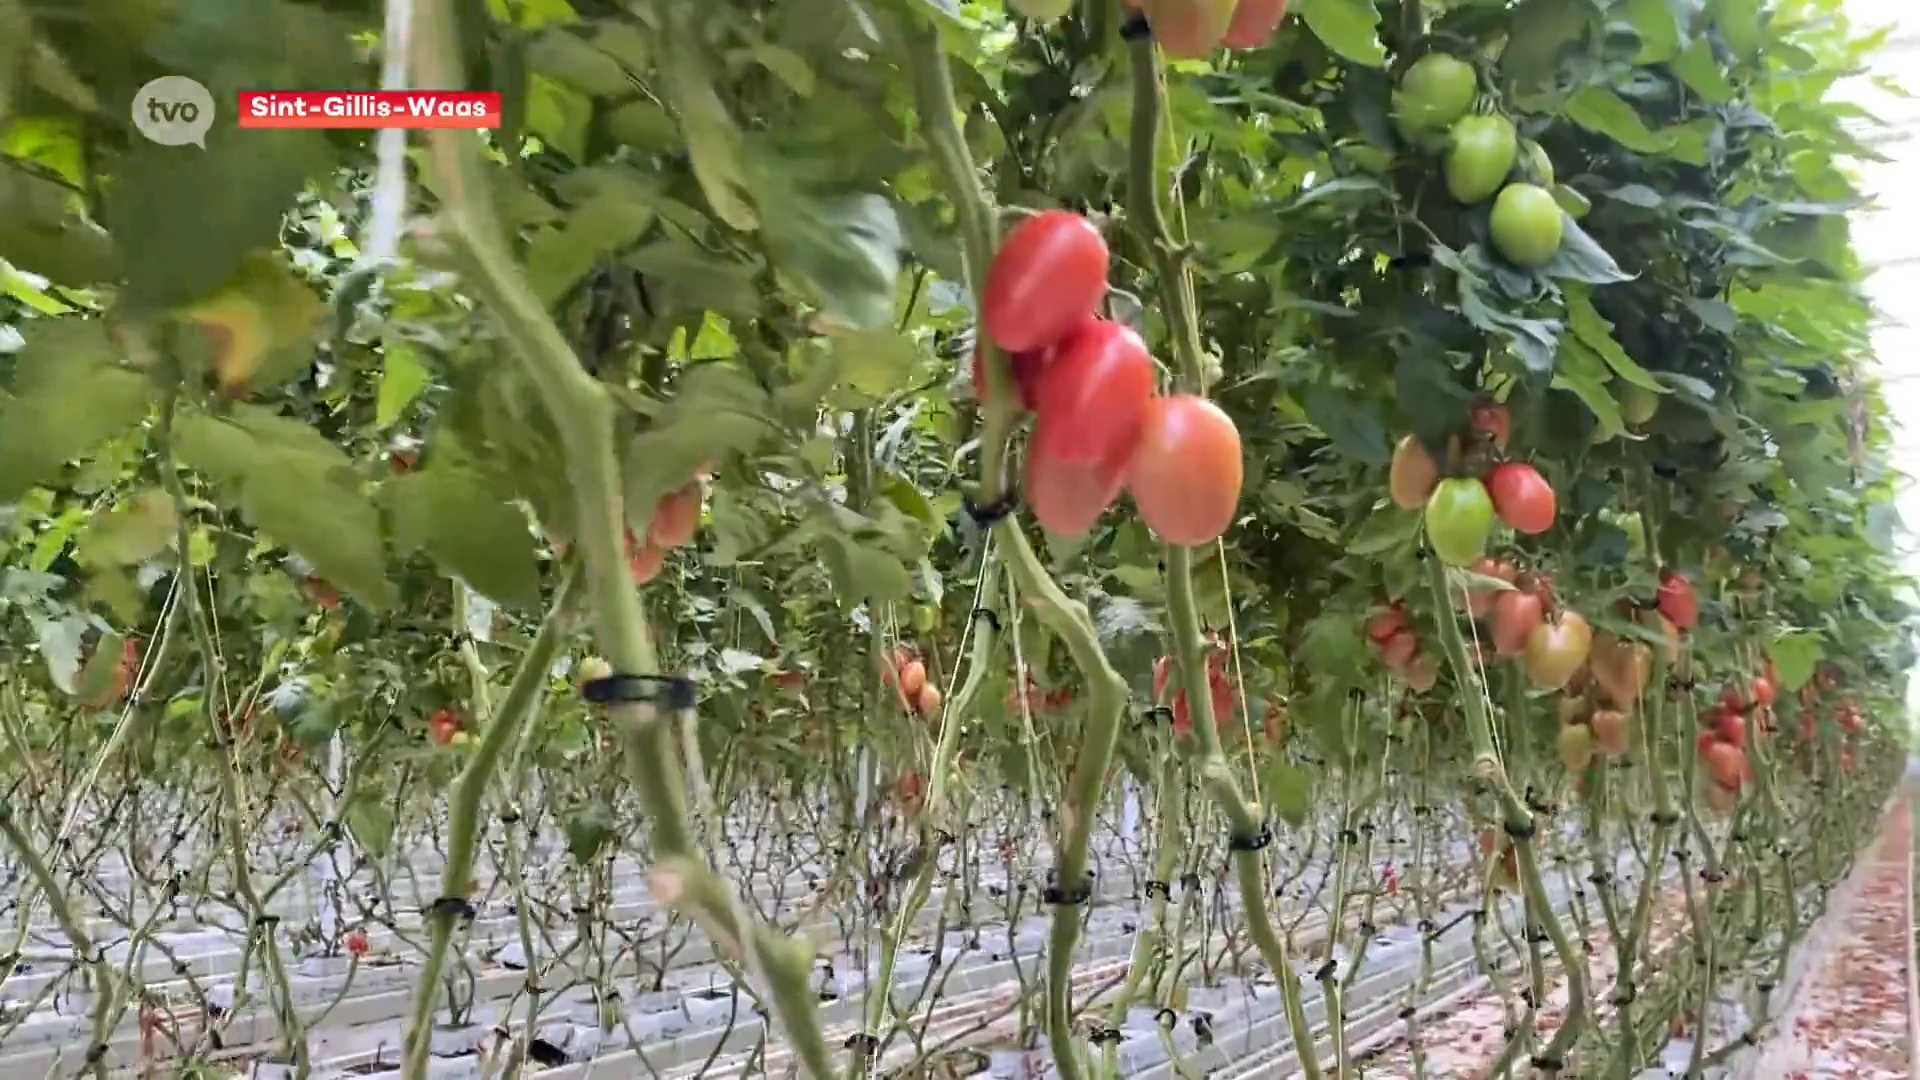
(1603, 112)
(1288, 790)
(402, 377)
(1352, 423)
(1348, 27)
(132, 532)
(1796, 655)
(1585, 375)
(69, 398)
(1580, 258)
(460, 520)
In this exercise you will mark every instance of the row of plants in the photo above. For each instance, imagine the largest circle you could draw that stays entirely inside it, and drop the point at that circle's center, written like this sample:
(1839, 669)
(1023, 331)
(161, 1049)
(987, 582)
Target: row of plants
(881, 442)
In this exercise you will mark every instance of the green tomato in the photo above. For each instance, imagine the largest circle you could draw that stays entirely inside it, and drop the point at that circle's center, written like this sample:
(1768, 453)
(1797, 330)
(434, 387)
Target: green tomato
(1437, 90)
(1041, 9)
(1538, 165)
(1526, 225)
(924, 618)
(1459, 519)
(1480, 156)
(1638, 404)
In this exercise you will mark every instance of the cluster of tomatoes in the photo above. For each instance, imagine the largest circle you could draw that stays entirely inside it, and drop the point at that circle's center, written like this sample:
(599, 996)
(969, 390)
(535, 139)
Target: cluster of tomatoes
(1722, 742)
(1191, 29)
(1393, 637)
(1219, 688)
(1099, 427)
(907, 674)
(446, 728)
(676, 517)
(1459, 509)
(1483, 157)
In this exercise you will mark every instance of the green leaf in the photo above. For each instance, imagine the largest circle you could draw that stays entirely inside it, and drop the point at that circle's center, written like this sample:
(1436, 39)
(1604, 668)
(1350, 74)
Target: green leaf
(712, 140)
(844, 250)
(1702, 74)
(133, 532)
(589, 832)
(874, 363)
(1659, 27)
(1796, 655)
(297, 487)
(1604, 112)
(464, 524)
(788, 66)
(1596, 333)
(1581, 258)
(63, 414)
(402, 377)
(1289, 790)
(613, 214)
(1351, 423)
(863, 574)
(1584, 375)
(370, 823)
(1348, 27)
(174, 256)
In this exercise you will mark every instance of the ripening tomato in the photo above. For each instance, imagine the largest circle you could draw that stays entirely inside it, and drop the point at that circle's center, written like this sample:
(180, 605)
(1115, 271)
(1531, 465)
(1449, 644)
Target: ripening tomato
(1459, 517)
(1381, 627)
(1189, 29)
(1522, 497)
(646, 562)
(1093, 397)
(1730, 728)
(1413, 474)
(1526, 225)
(1731, 700)
(1726, 764)
(927, 701)
(1557, 649)
(1398, 650)
(1610, 731)
(1576, 747)
(1480, 153)
(1186, 471)
(676, 517)
(1480, 601)
(1515, 614)
(1677, 600)
(1493, 421)
(1254, 21)
(1066, 499)
(1762, 692)
(1049, 274)
(1421, 673)
(913, 679)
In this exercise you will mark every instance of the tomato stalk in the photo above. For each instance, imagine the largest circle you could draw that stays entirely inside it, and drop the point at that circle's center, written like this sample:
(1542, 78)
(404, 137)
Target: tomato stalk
(1519, 822)
(1176, 290)
(1146, 944)
(584, 414)
(1066, 617)
(100, 975)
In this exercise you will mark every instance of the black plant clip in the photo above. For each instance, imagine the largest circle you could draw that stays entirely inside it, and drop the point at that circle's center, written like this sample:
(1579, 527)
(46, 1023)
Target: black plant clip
(863, 1043)
(672, 692)
(1106, 1035)
(457, 908)
(1055, 896)
(987, 515)
(1135, 28)
(1160, 887)
(1257, 841)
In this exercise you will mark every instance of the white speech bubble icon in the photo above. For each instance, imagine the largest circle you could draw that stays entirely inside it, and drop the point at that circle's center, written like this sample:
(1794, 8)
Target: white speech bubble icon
(173, 110)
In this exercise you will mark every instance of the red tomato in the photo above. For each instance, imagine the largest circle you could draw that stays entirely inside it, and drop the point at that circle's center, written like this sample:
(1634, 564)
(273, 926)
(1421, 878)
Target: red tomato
(675, 518)
(1398, 650)
(1162, 675)
(1093, 397)
(1515, 615)
(1189, 29)
(1050, 273)
(1704, 743)
(1522, 497)
(357, 942)
(1763, 692)
(1727, 765)
(913, 679)
(1385, 626)
(1026, 367)
(1731, 701)
(1492, 419)
(1731, 729)
(1186, 471)
(1254, 21)
(646, 563)
(1677, 600)
(1066, 499)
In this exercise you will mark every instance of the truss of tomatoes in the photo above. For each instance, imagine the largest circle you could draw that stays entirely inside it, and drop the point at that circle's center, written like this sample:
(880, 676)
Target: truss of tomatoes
(1099, 425)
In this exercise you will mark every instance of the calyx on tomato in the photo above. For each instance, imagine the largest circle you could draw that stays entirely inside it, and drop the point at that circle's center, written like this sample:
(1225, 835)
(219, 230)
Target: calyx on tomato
(1522, 497)
(1092, 397)
(1459, 517)
(1187, 470)
(1526, 225)
(1480, 153)
(1049, 275)
(1435, 91)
